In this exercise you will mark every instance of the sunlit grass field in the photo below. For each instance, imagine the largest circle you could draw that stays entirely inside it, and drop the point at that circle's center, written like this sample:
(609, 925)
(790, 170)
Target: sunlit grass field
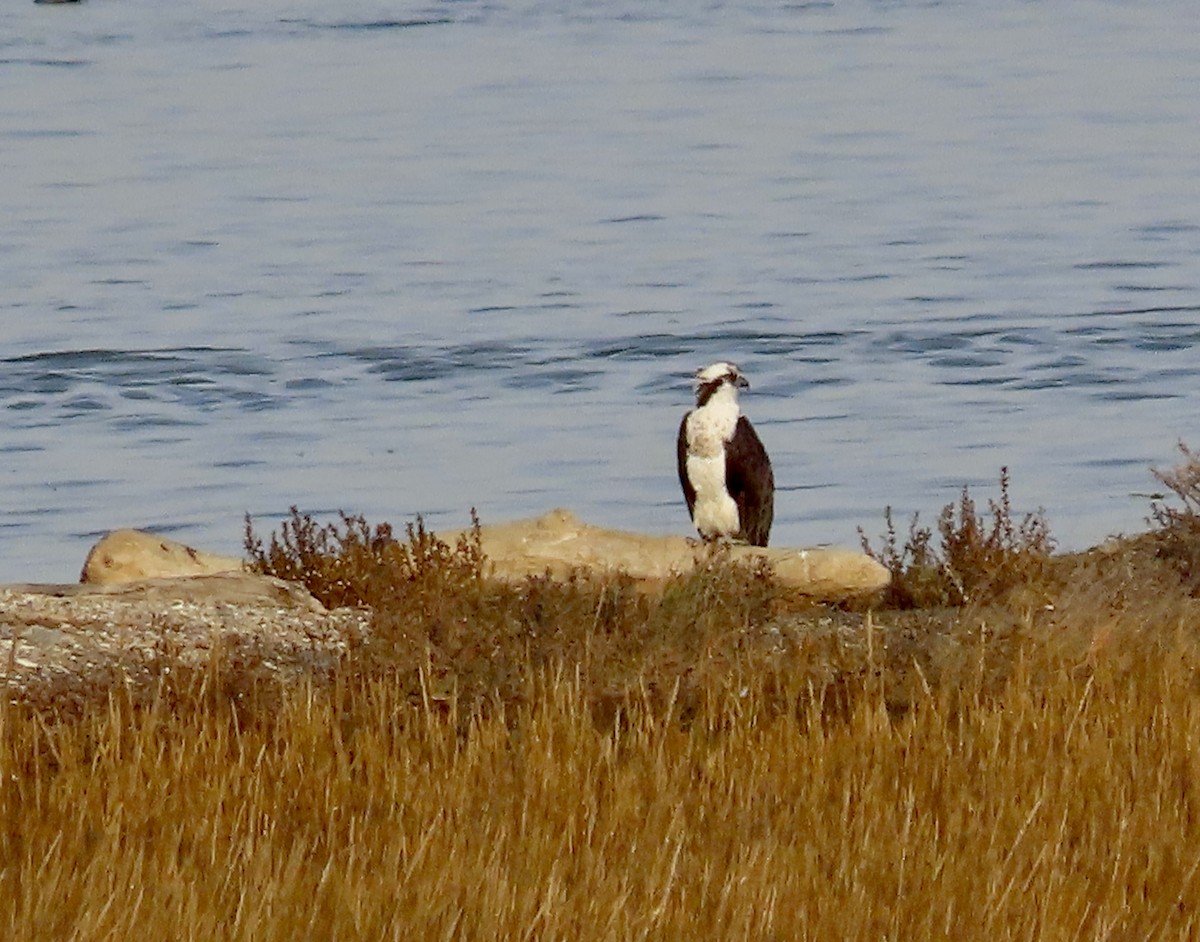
(1013, 755)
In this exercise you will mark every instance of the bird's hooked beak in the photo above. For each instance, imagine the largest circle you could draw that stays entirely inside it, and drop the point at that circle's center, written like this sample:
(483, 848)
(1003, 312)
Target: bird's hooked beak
(741, 382)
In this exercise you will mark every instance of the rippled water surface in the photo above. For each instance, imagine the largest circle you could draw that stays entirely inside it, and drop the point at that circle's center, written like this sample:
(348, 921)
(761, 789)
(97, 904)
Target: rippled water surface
(397, 258)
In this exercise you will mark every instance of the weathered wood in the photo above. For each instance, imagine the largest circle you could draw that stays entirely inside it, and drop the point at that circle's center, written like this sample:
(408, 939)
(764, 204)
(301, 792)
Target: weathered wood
(559, 542)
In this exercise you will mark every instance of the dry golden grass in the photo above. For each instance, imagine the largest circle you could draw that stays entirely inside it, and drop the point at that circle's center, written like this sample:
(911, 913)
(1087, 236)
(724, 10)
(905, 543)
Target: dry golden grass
(584, 762)
(1060, 809)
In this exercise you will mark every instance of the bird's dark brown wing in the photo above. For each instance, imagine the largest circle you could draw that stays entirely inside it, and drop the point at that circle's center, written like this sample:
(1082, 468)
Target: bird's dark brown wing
(751, 483)
(689, 492)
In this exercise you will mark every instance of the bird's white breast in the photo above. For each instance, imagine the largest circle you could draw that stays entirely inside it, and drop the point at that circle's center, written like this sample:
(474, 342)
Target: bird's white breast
(707, 430)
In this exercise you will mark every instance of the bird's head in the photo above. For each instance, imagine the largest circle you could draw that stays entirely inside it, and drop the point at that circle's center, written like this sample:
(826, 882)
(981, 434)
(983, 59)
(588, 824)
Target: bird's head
(712, 378)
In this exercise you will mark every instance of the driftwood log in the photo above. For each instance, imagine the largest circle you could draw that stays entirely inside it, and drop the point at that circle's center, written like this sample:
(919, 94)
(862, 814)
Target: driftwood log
(559, 542)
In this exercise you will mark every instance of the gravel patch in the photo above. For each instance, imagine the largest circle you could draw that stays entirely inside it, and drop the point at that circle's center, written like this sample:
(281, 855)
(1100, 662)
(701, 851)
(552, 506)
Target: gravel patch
(66, 645)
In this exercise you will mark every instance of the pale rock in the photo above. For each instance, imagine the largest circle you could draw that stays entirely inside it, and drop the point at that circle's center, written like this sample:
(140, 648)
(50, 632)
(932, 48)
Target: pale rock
(558, 542)
(133, 555)
(210, 588)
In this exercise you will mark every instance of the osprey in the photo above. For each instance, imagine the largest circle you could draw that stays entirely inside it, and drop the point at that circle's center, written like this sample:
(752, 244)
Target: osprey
(724, 469)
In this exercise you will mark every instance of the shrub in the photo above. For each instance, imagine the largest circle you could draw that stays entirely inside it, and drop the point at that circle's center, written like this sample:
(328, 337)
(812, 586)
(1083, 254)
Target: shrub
(447, 634)
(1178, 528)
(360, 565)
(978, 559)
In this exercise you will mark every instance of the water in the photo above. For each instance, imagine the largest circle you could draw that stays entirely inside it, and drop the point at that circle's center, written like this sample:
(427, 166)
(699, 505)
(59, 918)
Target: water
(400, 258)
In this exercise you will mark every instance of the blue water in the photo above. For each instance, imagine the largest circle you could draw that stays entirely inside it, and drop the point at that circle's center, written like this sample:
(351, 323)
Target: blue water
(401, 258)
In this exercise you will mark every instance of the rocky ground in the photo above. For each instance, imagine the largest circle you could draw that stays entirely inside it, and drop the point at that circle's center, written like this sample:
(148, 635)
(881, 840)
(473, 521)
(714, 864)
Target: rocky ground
(149, 609)
(147, 606)
(61, 645)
